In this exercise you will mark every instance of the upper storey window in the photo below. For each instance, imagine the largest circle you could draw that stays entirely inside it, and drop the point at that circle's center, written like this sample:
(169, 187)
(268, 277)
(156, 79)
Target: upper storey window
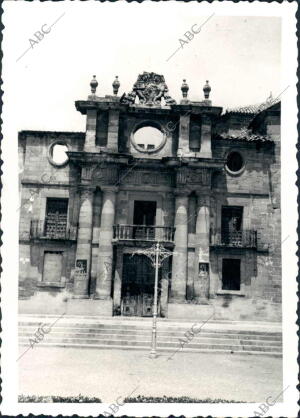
(235, 162)
(148, 139)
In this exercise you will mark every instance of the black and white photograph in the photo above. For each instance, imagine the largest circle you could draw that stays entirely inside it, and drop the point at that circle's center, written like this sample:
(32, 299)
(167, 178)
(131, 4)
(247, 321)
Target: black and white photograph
(149, 208)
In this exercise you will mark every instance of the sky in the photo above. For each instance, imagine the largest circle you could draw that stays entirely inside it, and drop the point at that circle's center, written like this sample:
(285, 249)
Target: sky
(239, 55)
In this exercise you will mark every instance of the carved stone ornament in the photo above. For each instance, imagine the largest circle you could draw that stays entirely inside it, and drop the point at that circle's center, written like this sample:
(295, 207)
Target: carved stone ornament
(181, 176)
(86, 193)
(202, 200)
(198, 176)
(86, 172)
(150, 89)
(105, 175)
(141, 177)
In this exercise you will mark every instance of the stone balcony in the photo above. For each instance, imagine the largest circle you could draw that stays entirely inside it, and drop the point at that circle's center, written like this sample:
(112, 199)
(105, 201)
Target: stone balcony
(41, 230)
(234, 239)
(149, 233)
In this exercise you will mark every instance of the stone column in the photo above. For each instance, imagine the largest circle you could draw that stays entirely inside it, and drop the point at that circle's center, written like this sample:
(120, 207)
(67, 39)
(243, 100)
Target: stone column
(205, 147)
(105, 257)
(201, 281)
(184, 135)
(113, 131)
(118, 281)
(84, 241)
(90, 135)
(179, 264)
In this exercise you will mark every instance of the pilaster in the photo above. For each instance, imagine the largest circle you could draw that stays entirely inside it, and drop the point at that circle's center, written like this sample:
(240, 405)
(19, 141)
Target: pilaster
(205, 146)
(90, 136)
(184, 135)
(113, 130)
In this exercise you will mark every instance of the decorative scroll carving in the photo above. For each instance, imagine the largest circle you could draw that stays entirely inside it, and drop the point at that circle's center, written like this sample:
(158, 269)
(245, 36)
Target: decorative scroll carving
(181, 176)
(86, 172)
(150, 89)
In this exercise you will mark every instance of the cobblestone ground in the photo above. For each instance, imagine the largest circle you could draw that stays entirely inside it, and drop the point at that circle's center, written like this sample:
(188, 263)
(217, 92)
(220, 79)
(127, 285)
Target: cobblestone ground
(107, 374)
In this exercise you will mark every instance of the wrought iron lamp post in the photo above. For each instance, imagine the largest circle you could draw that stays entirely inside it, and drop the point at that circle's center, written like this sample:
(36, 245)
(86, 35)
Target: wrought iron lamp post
(157, 254)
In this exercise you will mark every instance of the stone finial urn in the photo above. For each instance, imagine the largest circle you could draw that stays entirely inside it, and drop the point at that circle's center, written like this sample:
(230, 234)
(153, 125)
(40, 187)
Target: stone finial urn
(207, 90)
(94, 84)
(116, 85)
(184, 88)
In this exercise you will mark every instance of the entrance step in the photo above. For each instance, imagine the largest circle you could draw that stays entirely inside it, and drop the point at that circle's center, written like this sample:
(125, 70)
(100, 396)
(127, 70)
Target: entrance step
(115, 334)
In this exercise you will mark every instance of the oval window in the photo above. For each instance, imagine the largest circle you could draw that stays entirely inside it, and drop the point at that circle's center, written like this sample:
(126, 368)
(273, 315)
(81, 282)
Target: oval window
(58, 154)
(148, 139)
(235, 162)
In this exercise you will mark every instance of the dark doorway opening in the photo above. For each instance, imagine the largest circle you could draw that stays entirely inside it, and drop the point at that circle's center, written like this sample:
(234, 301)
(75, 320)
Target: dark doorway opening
(231, 274)
(144, 212)
(144, 215)
(137, 286)
(232, 224)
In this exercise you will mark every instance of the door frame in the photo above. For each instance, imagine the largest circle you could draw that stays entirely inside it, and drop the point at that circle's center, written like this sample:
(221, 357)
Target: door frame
(138, 299)
(145, 196)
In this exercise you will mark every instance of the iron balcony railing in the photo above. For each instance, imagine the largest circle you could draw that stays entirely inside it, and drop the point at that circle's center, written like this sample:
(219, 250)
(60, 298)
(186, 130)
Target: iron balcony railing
(44, 230)
(242, 239)
(143, 233)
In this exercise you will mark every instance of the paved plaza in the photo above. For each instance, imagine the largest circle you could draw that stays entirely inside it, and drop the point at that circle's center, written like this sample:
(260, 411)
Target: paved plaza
(107, 374)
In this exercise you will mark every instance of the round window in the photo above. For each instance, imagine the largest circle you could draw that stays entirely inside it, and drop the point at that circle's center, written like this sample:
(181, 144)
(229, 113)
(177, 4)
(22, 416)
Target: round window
(148, 139)
(57, 153)
(235, 162)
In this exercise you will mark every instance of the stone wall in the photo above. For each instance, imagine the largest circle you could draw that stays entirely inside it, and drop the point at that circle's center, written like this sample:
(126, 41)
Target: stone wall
(256, 189)
(40, 179)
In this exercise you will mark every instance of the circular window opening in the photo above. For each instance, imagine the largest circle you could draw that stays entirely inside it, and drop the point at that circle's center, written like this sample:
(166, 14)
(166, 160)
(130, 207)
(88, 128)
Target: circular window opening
(235, 162)
(58, 153)
(148, 139)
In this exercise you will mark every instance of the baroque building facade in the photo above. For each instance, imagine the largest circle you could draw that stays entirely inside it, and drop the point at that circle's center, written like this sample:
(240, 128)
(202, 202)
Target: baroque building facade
(206, 185)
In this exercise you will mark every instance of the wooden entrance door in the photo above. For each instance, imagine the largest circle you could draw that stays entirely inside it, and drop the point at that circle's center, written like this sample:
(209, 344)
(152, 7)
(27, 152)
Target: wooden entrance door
(137, 286)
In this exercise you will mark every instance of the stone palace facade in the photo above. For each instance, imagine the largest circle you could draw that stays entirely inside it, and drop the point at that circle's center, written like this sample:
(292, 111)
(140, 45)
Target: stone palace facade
(206, 185)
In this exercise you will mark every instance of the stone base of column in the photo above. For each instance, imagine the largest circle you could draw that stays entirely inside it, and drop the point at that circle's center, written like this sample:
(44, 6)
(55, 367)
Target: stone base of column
(80, 289)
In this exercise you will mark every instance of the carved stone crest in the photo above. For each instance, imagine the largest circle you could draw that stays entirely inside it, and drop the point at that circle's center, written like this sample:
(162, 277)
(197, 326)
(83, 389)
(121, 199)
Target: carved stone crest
(150, 88)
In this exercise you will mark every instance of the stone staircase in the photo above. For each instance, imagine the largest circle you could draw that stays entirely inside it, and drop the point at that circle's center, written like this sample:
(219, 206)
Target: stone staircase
(129, 333)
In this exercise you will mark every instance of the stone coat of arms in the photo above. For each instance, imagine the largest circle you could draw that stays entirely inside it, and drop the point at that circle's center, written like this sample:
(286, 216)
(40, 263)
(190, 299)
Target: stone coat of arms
(149, 88)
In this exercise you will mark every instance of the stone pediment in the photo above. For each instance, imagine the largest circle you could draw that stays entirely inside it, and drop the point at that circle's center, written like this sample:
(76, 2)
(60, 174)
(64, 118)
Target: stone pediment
(149, 88)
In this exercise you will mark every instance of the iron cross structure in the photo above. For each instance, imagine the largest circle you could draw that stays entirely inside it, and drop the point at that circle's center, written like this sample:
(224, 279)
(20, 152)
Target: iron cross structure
(157, 254)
